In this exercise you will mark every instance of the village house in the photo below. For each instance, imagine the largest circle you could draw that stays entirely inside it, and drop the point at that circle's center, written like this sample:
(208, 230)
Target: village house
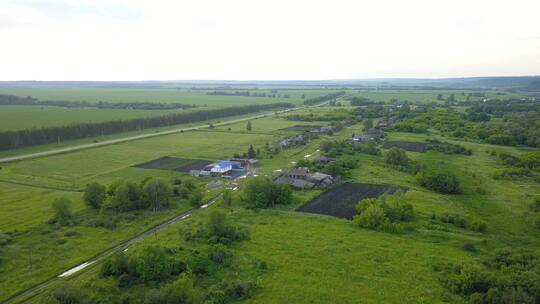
(298, 140)
(227, 168)
(303, 179)
(372, 134)
(387, 122)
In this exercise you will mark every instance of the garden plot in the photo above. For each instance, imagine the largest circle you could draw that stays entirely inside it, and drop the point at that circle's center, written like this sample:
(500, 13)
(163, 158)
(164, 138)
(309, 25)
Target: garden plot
(300, 128)
(175, 164)
(407, 145)
(341, 201)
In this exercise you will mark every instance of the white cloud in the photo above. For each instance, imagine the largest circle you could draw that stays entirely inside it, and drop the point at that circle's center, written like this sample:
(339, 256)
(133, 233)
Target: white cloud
(241, 39)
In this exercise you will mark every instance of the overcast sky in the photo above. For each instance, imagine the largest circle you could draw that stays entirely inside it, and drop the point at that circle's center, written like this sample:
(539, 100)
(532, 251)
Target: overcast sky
(266, 39)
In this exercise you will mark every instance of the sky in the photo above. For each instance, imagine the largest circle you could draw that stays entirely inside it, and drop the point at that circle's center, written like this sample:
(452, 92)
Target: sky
(267, 39)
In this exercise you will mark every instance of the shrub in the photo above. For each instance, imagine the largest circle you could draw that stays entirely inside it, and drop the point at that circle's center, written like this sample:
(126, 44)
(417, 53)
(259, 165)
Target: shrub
(5, 239)
(94, 195)
(152, 264)
(470, 247)
(455, 219)
(393, 210)
(468, 279)
(219, 231)
(196, 198)
(371, 218)
(63, 215)
(71, 233)
(241, 289)
(218, 254)
(260, 192)
(396, 157)
(179, 291)
(115, 266)
(513, 173)
(479, 226)
(535, 205)
(66, 294)
(102, 222)
(443, 182)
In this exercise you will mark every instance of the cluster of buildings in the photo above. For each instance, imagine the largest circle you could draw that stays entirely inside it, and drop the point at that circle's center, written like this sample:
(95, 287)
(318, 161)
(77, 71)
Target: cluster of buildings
(232, 168)
(295, 141)
(302, 178)
(375, 134)
(325, 129)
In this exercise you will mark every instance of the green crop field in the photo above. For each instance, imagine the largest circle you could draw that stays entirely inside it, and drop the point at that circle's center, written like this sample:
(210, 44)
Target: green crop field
(308, 258)
(185, 96)
(28, 117)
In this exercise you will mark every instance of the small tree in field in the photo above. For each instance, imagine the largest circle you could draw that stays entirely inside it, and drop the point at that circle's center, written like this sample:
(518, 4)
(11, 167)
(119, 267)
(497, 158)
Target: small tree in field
(157, 193)
(368, 124)
(251, 152)
(227, 197)
(63, 215)
(94, 195)
(396, 157)
(248, 125)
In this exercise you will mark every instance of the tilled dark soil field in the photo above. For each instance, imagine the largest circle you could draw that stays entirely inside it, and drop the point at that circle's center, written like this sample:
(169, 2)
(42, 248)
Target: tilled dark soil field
(174, 163)
(406, 145)
(341, 201)
(300, 128)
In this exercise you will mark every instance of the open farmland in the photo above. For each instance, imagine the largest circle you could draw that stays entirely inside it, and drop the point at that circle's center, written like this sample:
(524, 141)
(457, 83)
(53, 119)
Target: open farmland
(185, 96)
(29, 117)
(293, 245)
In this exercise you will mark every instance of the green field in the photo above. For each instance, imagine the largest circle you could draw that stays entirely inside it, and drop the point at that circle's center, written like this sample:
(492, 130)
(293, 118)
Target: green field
(28, 117)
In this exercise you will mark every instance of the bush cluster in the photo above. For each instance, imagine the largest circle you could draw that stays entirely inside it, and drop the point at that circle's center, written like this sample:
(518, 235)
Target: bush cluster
(261, 192)
(507, 277)
(443, 182)
(461, 222)
(384, 213)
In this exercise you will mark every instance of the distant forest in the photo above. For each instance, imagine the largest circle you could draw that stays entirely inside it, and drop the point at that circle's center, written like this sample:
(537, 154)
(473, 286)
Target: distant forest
(12, 100)
(248, 94)
(31, 137)
(327, 97)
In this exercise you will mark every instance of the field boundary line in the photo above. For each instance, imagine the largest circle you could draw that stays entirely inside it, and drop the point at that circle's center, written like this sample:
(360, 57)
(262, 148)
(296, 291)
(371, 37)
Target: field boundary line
(40, 187)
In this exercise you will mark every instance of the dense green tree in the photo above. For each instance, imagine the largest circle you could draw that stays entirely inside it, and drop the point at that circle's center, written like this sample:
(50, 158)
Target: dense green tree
(251, 152)
(248, 125)
(127, 196)
(368, 123)
(94, 195)
(227, 197)
(371, 218)
(396, 157)
(66, 294)
(63, 215)
(196, 198)
(260, 192)
(152, 264)
(443, 182)
(157, 192)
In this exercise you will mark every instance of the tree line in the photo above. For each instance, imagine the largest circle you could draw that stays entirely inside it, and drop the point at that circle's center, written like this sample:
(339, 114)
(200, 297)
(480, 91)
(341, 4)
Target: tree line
(322, 98)
(247, 94)
(38, 136)
(12, 100)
